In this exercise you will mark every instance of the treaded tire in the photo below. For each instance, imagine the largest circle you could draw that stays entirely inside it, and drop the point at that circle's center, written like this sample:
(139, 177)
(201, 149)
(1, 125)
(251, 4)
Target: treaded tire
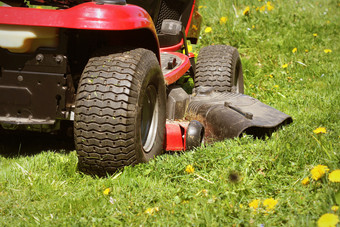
(120, 111)
(220, 67)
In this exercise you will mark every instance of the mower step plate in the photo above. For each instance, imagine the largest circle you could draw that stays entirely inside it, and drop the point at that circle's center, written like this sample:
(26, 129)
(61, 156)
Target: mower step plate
(174, 65)
(228, 115)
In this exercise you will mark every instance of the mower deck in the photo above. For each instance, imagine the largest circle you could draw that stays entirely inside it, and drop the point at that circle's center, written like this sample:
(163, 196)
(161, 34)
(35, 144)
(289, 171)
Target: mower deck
(228, 115)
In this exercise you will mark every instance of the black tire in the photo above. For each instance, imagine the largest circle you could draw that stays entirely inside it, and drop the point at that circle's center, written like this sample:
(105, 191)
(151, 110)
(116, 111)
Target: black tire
(120, 111)
(220, 67)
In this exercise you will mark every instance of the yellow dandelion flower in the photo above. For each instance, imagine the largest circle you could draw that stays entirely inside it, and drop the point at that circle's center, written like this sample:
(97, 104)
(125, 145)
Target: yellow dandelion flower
(294, 50)
(270, 7)
(208, 29)
(263, 8)
(284, 66)
(305, 181)
(320, 130)
(189, 169)
(328, 22)
(327, 51)
(151, 211)
(334, 176)
(315, 34)
(306, 51)
(107, 191)
(200, 7)
(257, 8)
(254, 204)
(335, 208)
(223, 20)
(318, 171)
(246, 11)
(253, 26)
(148, 211)
(276, 86)
(328, 220)
(270, 204)
(241, 206)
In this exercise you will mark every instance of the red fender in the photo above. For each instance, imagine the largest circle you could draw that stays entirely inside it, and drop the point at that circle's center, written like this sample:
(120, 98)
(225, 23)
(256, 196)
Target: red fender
(83, 16)
(90, 16)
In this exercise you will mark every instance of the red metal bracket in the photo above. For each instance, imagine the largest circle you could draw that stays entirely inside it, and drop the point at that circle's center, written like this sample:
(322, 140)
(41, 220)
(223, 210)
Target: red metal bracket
(175, 136)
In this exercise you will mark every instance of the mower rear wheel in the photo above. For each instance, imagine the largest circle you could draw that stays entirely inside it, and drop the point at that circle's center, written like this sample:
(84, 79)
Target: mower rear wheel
(120, 111)
(219, 67)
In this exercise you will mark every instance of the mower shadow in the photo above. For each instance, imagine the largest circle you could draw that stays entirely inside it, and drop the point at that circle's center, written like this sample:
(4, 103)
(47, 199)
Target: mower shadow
(25, 143)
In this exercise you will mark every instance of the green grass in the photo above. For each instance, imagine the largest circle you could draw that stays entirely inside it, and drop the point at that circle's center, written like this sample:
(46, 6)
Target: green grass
(46, 188)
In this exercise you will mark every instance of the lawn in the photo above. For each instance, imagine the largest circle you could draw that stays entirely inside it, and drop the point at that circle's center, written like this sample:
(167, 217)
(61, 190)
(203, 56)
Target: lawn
(290, 56)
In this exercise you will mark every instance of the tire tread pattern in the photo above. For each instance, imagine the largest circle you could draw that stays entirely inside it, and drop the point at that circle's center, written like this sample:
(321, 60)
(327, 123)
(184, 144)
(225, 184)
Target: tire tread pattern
(214, 67)
(105, 111)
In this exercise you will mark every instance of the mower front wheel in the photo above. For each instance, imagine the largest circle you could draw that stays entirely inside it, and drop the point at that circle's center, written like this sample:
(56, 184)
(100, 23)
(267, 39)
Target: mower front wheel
(219, 67)
(120, 111)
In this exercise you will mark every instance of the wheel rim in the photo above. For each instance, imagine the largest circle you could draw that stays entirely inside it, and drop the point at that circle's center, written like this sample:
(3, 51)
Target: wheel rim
(149, 118)
(236, 82)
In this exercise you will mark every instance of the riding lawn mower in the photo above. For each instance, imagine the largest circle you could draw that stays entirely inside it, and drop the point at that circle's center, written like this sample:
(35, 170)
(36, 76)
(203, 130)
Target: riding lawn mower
(115, 68)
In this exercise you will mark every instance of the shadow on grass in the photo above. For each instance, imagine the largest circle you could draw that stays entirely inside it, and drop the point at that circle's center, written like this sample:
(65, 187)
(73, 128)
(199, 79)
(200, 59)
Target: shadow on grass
(26, 143)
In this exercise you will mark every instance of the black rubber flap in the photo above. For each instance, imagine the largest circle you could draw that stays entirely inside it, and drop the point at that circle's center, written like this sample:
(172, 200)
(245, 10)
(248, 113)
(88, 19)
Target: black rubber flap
(228, 115)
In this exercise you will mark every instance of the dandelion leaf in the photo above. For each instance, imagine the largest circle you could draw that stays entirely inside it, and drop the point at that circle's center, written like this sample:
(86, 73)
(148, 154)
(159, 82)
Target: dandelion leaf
(113, 220)
(337, 197)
